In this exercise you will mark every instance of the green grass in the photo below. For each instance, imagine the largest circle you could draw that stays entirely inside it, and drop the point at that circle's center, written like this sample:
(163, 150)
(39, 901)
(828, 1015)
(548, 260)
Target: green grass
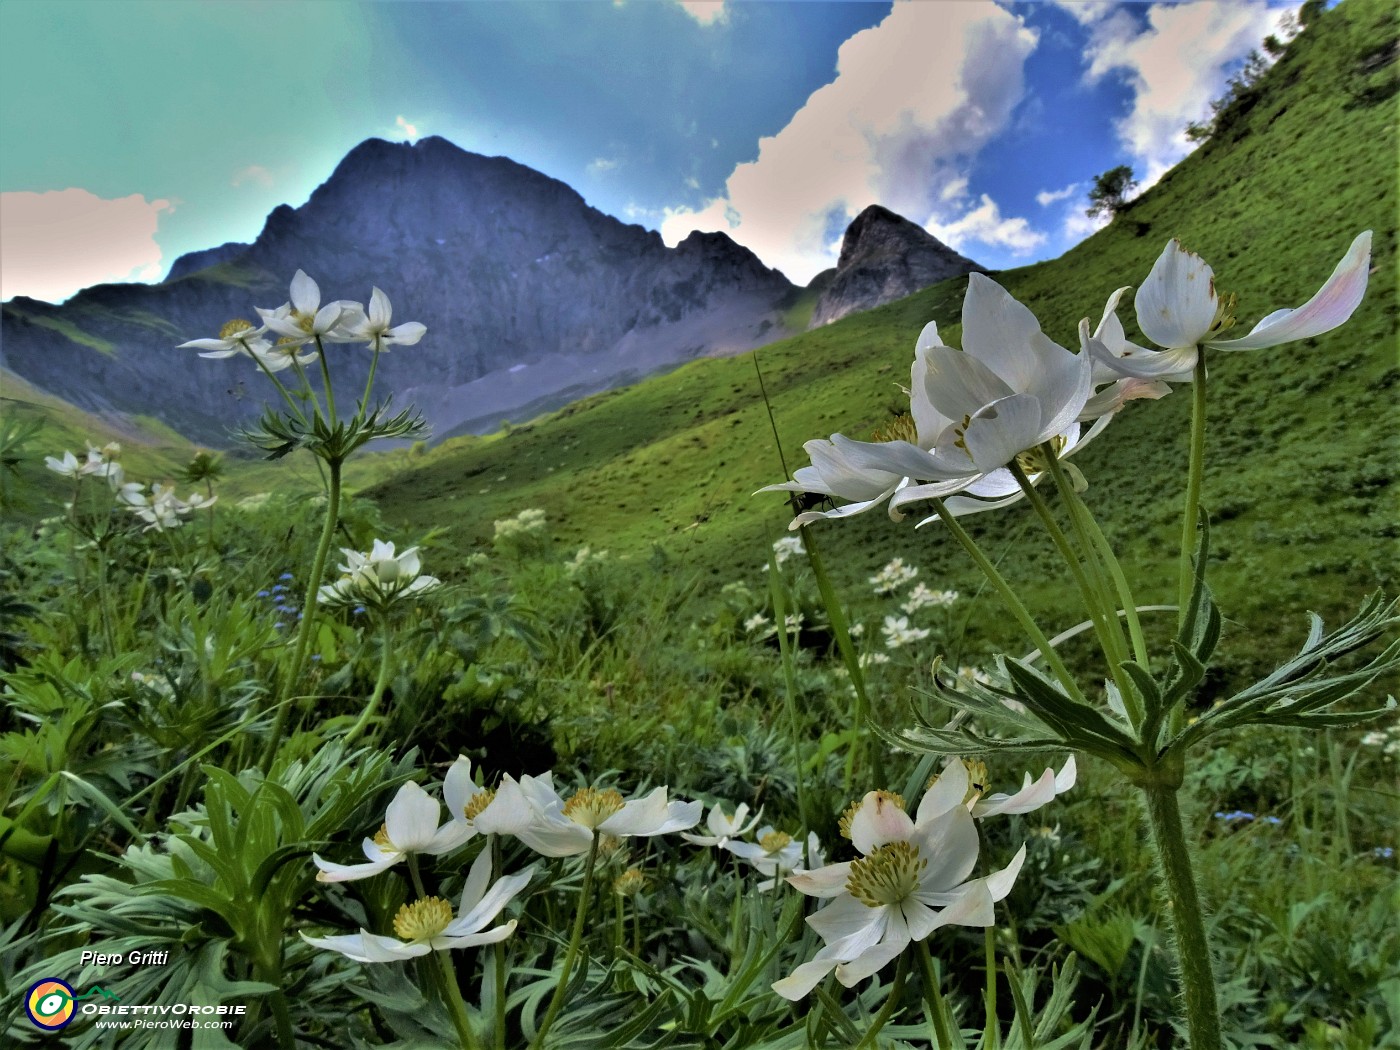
(68, 330)
(1301, 443)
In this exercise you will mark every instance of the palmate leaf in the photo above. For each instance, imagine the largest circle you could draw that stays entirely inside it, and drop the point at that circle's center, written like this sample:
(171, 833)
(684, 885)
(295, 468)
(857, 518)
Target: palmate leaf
(1304, 688)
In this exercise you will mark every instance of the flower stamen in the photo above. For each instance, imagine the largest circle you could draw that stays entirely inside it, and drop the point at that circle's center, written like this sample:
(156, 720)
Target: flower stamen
(422, 920)
(591, 806)
(890, 875)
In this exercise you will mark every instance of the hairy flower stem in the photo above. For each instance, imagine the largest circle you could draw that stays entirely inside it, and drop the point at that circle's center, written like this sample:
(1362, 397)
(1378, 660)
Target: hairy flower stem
(455, 1006)
(936, 1007)
(575, 939)
(779, 595)
(1191, 509)
(1096, 537)
(1110, 637)
(837, 616)
(308, 611)
(379, 683)
(1012, 603)
(1192, 948)
(891, 1004)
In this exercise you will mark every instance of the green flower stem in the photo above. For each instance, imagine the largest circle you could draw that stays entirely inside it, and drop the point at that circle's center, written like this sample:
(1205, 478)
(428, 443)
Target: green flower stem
(286, 395)
(104, 596)
(379, 684)
(369, 383)
(992, 1027)
(499, 949)
(575, 939)
(1012, 602)
(416, 876)
(308, 609)
(837, 616)
(891, 1004)
(269, 971)
(455, 1006)
(1190, 511)
(776, 589)
(936, 1007)
(1193, 950)
(326, 381)
(1100, 542)
(1110, 637)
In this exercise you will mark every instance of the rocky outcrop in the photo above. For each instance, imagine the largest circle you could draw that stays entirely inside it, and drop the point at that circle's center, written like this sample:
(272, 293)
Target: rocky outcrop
(530, 296)
(884, 257)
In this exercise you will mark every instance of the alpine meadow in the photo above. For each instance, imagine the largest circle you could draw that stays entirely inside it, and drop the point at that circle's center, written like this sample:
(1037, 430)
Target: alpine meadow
(1004, 667)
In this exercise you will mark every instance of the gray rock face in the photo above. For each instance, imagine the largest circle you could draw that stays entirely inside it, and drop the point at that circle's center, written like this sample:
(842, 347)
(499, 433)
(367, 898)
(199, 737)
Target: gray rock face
(531, 298)
(884, 257)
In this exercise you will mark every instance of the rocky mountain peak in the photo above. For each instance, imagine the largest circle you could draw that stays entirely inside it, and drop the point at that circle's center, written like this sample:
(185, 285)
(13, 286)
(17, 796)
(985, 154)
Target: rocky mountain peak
(885, 257)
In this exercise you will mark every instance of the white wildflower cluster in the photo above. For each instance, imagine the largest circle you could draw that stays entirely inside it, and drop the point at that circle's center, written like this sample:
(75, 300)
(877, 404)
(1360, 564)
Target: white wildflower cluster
(898, 633)
(1012, 398)
(893, 576)
(912, 875)
(923, 596)
(281, 341)
(786, 547)
(161, 509)
(377, 579)
(772, 853)
(529, 521)
(530, 810)
(757, 622)
(99, 463)
(583, 558)
(1386, 740)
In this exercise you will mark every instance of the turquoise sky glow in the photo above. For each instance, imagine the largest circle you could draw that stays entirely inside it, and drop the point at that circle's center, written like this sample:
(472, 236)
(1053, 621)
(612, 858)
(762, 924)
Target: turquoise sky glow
(133, 132)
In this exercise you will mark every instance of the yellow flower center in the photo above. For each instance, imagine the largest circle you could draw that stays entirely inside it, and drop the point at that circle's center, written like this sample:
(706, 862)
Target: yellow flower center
(630, 883)
(1224, 314)
(774, 841)
(382, 840)
(232, 329)
(976, 779)
(478, 802)
(900, 428)
(422, 920)
(591, 806)
(1034, 460)
(888, 876)
(881, 798)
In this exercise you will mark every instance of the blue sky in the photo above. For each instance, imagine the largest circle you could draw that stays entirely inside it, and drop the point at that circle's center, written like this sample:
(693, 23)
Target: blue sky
(134, 132)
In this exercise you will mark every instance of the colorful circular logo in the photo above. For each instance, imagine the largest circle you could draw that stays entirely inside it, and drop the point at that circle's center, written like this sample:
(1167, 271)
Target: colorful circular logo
(49, 1004)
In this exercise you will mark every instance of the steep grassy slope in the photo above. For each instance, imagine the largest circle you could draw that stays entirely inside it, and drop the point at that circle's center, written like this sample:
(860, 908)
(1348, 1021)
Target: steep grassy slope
(1302, 447)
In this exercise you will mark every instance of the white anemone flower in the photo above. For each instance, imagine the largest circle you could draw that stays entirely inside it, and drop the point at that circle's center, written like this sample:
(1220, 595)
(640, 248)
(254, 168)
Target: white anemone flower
(723, 827)
(373, 328)
(304, 318)
(970, 778)
(553, 826)
(911, 879)
(410, 826)
(377, 578)
(427, 925)
(162, 509)
(832, 474)
(235, 337)
(69, 466)
(1178, 309)
(773, 853)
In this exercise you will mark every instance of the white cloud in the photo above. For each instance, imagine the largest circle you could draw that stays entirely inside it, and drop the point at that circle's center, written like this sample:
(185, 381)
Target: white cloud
(1087, 12)
(59, 242)
(706, 12)
(252, 173)
(986, 225)
(1175, 66)
(599, 165)
(411, 130)
(914, 100)
(1078, 225)
(1047, 197)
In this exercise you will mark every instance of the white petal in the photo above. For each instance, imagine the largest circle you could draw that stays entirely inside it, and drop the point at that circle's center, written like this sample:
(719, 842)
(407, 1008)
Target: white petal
(411, 820)
(878, 821)
(332, 872)
(380, 310)
(1176, 304)
(950, 843)
(1332, 306)
(306, 293)
(871, 961)
(1002, 431)
(458, 788)
(490, 904)
(406, 334)
(473, 940)
(639, 816)
(799, 984)
(947, 791)
(958, 384)
(829, 881)
(1004, 335)
(842, 918)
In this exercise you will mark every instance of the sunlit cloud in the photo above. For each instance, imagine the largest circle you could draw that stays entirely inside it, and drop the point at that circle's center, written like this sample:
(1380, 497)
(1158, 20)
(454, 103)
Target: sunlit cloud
(984, 224)
(915, 99)
(410, 130)
(706, 12)
(599, 165)
(59, 242)
(1047, 197)
(254, 173)
(1175, 65)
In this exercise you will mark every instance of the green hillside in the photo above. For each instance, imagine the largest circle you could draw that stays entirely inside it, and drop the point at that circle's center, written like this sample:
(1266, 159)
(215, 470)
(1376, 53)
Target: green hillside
(1301, 444)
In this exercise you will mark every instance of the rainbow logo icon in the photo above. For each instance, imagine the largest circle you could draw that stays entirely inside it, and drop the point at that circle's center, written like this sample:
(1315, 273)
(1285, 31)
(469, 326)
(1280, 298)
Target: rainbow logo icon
(49, 1004)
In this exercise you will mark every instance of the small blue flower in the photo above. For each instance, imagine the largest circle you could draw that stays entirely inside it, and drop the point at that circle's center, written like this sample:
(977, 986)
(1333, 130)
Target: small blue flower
(278, 588)
(279, 625)
(315, 656)
(286, 576)
(1383, 852)
(1271, 820)
(263, 594)
(1234, 816)
(358, 610)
